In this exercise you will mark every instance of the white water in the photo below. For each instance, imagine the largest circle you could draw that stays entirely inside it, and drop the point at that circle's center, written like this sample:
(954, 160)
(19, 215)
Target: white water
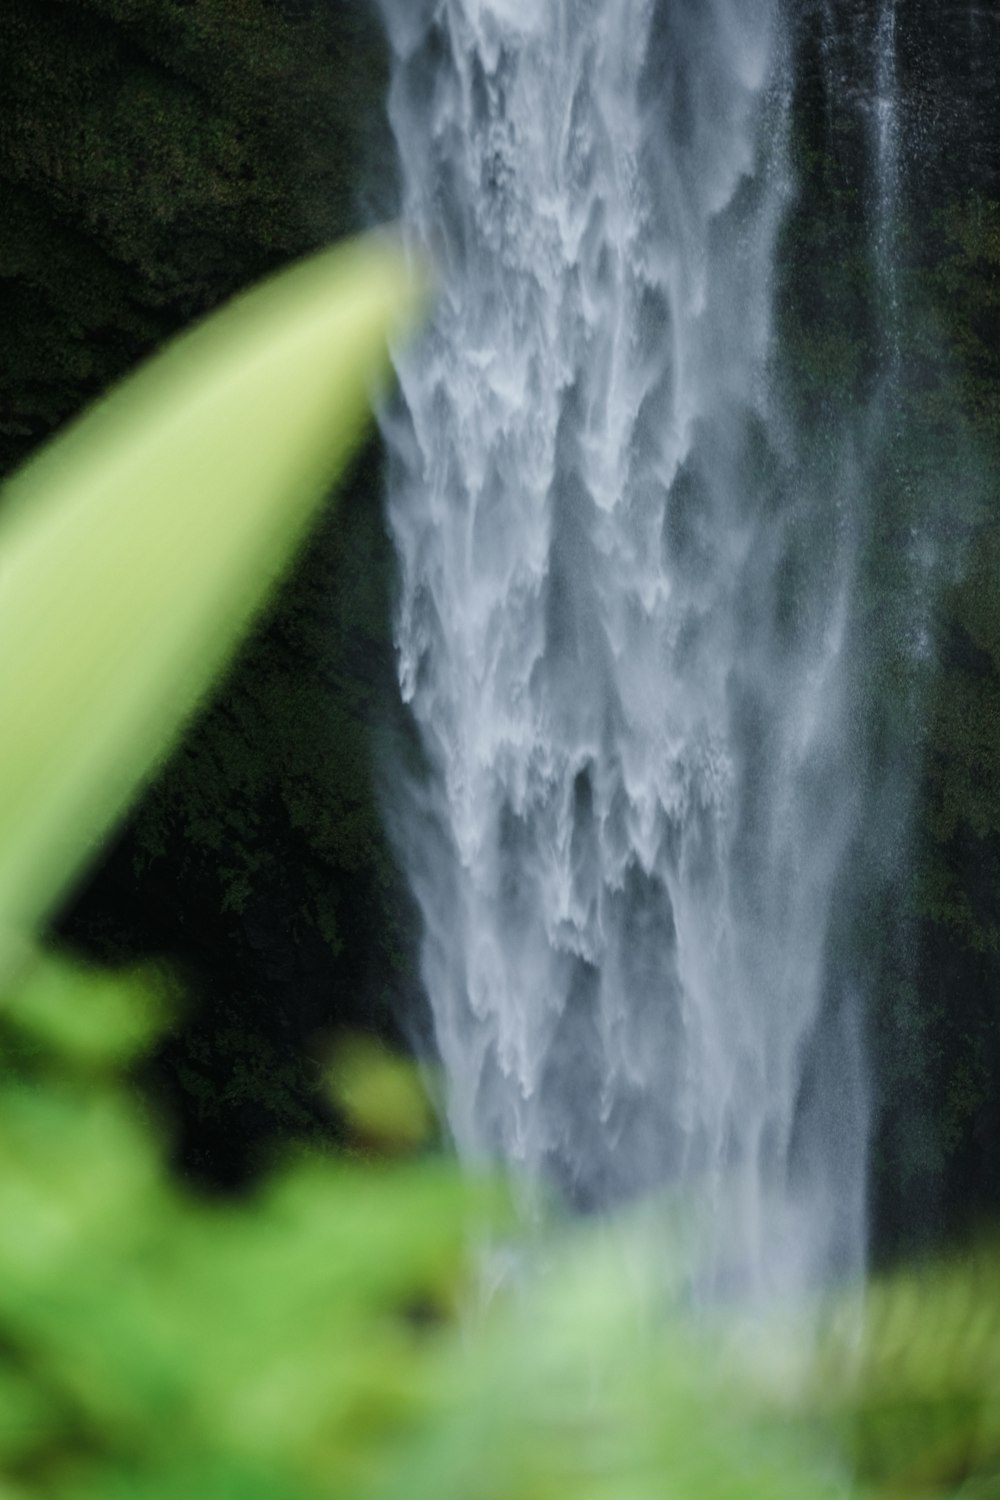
(621, 624)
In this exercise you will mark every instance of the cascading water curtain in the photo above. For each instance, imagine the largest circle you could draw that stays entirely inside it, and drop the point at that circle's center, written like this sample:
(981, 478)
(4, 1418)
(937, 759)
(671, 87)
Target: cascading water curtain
(627, 672)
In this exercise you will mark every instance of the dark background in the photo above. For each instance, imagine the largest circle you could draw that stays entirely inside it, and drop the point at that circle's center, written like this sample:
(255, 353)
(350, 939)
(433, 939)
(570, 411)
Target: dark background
(156, 155)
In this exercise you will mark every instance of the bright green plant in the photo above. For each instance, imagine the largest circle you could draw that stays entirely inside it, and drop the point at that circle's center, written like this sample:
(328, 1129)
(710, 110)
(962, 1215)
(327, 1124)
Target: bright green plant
(326, 1338)
(137, 546)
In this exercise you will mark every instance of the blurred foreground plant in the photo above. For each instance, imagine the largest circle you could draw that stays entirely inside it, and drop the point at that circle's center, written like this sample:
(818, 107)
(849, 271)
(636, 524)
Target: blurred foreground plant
(136, 547)
(308, 1343)
(321, 1339)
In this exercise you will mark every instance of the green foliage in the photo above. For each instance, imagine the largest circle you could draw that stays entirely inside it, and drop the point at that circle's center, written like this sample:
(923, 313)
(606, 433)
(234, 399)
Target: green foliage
(328, 1337)
(910, 1379)
(380, 1094)
(307, 1343)
(110, 656)
(151, 1342)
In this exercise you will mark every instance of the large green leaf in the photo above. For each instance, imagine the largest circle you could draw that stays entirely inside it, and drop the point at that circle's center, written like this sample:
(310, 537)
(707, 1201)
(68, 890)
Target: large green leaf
(135, 548)
(909, 1378)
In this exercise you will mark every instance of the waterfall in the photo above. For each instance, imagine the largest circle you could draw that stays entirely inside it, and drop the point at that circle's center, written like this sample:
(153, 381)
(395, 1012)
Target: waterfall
(886, 153)
(622, 623)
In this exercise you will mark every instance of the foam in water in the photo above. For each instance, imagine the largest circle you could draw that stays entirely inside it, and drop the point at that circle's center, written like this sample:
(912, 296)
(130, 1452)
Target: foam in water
(621, 623)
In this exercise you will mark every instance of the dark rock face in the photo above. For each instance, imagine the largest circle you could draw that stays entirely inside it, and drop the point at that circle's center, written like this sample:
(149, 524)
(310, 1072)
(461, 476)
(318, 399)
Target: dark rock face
(920, 927)
(933, 937)
(949, 66)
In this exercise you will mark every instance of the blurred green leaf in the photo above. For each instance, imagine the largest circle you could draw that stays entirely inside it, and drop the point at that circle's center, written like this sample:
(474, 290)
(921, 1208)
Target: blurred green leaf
(907, 1376)
(380, 1095)
(136, 547)
(83, 1016)
(277, 1347)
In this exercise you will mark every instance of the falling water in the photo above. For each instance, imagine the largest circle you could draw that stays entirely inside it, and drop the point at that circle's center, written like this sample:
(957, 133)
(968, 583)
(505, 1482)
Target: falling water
(622, 623)
(886, 152)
